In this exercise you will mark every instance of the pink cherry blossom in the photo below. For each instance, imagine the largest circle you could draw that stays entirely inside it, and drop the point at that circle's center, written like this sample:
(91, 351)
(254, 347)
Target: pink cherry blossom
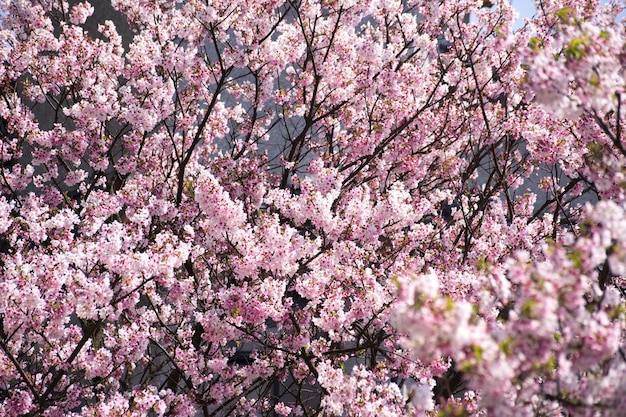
(342, 208)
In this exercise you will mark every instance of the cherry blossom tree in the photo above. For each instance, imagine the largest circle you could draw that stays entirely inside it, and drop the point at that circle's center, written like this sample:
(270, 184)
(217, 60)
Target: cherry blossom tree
(306, 208)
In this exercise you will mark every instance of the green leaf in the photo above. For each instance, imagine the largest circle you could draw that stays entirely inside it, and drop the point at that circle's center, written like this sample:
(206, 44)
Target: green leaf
(595, 150)
(535, 43)
(576, 48)
(506, 346)
(478, 352)
(527, 309)
(551, 364)
(616, 312)
(482, 264)
(565, 15)
(577, 259)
